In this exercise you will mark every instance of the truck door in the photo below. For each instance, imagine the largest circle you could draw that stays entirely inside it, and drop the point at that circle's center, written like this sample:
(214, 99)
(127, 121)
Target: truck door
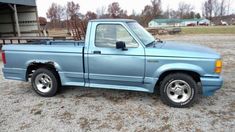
(111, 66)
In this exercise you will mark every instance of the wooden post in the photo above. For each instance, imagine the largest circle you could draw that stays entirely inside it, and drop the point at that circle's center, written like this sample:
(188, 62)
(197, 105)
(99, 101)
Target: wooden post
(13, 23)
(17, 21)
(37, 18)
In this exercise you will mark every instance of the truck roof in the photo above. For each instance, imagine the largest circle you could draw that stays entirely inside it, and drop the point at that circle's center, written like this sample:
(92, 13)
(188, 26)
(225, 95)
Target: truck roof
(113, 20)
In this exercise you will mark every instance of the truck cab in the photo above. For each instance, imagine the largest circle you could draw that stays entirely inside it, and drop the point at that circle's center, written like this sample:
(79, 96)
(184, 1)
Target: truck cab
(116, 57)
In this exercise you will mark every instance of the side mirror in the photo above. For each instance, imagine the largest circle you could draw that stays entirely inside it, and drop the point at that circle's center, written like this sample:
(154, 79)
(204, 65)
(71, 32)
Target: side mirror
(121, 45)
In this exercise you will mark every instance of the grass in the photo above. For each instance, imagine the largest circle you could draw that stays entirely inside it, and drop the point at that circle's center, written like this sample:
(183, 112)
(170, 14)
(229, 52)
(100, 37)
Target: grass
(57, 32)
(208, 30)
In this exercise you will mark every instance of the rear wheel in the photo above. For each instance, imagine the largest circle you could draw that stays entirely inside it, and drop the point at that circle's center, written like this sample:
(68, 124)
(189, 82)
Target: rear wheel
(178, 90)
(45, 82)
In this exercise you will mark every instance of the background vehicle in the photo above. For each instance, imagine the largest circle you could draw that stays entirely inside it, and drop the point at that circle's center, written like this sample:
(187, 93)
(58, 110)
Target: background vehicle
(191, 24)
(117, 54)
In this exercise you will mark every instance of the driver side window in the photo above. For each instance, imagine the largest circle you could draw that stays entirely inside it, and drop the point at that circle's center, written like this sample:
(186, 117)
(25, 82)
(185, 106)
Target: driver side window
(108, 35)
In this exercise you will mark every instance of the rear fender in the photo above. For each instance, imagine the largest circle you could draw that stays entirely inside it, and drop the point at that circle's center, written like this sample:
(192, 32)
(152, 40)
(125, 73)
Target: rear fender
(32, 62)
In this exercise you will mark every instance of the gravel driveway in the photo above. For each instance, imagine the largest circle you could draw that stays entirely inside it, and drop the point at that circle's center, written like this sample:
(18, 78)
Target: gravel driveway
(83, 109)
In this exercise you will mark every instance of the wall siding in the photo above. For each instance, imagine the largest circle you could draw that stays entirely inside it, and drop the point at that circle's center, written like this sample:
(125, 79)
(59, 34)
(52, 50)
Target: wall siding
(20, 2)
(27, 22)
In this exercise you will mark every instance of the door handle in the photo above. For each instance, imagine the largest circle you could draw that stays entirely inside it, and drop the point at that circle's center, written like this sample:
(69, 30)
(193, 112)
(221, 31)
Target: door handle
(97, 52)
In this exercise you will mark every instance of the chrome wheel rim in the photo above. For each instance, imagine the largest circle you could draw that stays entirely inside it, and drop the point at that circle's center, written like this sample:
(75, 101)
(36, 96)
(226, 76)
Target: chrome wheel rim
(179, 91)
(43, 82)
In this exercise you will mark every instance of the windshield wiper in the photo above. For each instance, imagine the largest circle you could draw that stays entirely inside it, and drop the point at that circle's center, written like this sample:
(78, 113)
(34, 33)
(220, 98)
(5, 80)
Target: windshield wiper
(159, 40)
(151, 43)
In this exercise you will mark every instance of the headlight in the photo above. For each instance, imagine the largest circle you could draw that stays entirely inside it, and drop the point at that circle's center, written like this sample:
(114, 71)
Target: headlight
(218, 66)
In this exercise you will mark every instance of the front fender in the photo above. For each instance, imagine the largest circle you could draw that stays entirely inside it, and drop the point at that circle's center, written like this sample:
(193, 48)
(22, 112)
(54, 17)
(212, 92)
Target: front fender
(179, 66)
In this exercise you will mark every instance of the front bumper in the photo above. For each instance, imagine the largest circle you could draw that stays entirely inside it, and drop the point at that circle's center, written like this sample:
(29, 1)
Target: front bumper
(210, 85)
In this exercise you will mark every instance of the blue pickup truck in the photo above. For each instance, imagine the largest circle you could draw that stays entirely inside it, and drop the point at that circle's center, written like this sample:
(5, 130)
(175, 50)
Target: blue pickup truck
(117, 54)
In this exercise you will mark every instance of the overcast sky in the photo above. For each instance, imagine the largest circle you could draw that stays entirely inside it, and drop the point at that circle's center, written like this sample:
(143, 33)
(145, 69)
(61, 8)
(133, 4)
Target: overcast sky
(129, 5)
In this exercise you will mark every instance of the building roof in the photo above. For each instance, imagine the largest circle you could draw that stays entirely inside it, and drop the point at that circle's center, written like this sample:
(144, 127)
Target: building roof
(176, 20)
(20, 2)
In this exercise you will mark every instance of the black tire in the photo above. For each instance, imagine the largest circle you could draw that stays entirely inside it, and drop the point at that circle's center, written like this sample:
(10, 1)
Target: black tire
(190, 95)
(54, 81)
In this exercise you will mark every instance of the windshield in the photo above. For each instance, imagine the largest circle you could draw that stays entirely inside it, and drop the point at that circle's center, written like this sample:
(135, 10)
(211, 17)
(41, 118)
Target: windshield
(143, 35)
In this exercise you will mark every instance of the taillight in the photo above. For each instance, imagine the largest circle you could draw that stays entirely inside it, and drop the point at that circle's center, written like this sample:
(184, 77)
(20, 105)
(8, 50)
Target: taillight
(4, 58)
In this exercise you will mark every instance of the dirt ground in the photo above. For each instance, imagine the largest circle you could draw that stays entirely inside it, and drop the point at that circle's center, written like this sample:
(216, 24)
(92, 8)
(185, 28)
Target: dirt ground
(83, 109)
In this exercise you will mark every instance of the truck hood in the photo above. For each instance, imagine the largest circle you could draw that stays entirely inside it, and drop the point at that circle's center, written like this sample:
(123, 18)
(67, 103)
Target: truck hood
(176, 49)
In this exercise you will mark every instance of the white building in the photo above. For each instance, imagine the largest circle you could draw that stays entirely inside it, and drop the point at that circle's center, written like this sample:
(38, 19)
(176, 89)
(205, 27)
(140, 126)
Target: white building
(178, 22)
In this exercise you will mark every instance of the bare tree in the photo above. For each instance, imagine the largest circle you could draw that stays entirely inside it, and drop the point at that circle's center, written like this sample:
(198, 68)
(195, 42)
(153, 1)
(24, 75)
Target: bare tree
(166, 14)
(222, 8)
(90, 15)
(61, 12)
(208, 9)
(123, 14)
(156, 8)
(174, 14)
(115, 11)
(72, 9)
(55, 13)
(101, 11)
(216, 7)
(146, 15)
(150, 12)
(185, 10)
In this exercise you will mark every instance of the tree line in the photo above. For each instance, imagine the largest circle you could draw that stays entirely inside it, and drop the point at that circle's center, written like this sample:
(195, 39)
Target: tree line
(60, 15)
(215, 8)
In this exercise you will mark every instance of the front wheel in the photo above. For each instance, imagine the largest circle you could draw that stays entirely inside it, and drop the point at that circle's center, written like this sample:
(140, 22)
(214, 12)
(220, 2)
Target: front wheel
(178, 90)
(45, 82)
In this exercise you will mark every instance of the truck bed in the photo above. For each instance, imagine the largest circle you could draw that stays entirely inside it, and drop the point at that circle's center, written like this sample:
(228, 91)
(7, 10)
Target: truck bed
(66, 56)
(47, 46)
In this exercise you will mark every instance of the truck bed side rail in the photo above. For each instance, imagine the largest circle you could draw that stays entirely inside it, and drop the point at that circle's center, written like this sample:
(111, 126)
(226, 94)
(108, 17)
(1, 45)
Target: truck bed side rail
(30, 40)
